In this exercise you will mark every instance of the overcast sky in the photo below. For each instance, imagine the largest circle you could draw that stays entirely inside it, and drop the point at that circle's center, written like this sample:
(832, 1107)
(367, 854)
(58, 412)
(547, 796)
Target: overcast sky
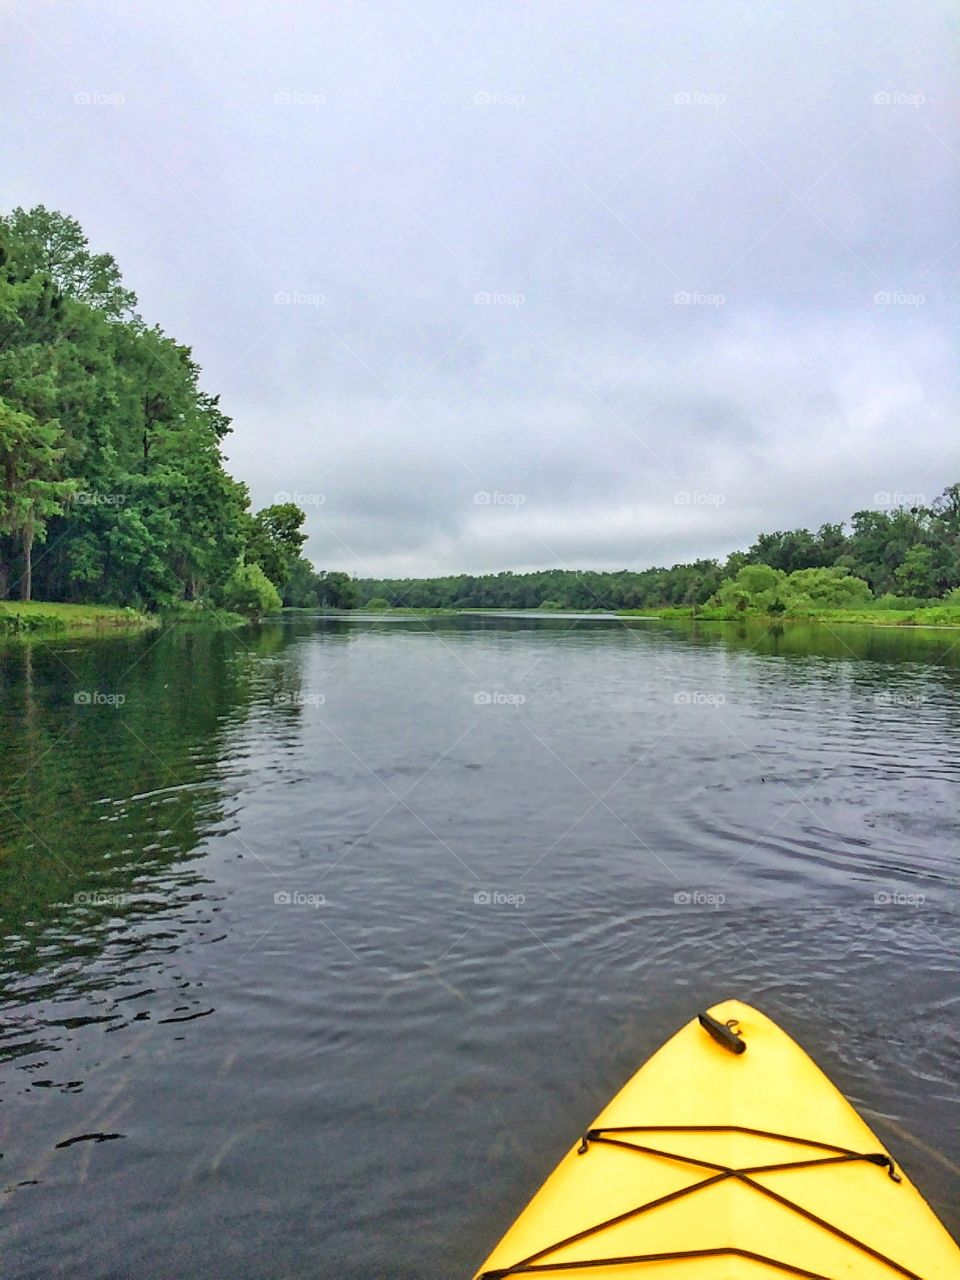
(514, 285)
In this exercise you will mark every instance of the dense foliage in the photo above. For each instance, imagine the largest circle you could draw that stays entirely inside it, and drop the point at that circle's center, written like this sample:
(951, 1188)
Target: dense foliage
(112, 483)
(305, 588)
(760, 587)
(897, 555)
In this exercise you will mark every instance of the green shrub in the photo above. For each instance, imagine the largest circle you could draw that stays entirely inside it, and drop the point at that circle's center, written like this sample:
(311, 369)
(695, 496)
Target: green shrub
(831, 588)
(249, 591)
(946, 614)
(31, 622)
(758, 587)
(890, 601)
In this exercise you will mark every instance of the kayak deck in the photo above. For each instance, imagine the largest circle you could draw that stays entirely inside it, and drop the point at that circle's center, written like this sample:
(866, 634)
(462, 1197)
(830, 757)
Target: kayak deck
(711, 1163)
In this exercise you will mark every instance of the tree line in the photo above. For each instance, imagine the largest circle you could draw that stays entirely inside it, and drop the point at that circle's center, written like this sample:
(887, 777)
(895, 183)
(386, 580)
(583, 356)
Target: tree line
(112, 480)
(113, 488)
(900, 556)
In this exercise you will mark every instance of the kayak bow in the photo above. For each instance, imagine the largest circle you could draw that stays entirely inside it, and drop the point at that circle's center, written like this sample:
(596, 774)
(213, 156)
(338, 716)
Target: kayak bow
(728, 1155)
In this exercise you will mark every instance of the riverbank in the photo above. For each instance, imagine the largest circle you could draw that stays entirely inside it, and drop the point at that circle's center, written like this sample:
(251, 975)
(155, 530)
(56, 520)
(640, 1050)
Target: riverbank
(38, 617)
(942, 616)
(42, 618)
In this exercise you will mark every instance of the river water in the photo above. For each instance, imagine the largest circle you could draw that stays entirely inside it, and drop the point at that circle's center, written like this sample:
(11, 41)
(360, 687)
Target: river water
(335, 933)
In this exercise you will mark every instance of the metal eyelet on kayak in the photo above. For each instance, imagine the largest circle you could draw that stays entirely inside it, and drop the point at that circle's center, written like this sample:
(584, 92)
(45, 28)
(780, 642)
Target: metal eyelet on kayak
(885, 1162)
(585, 1141)
(726, 1034)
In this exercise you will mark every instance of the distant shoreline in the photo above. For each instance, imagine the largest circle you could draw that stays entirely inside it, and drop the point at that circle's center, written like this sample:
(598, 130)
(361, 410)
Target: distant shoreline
(43, 619)
(942, 618)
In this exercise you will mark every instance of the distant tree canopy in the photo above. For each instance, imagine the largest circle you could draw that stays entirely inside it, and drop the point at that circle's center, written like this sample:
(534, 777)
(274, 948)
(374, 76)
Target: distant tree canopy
(305, 588)
(112, 483)
(902, 553)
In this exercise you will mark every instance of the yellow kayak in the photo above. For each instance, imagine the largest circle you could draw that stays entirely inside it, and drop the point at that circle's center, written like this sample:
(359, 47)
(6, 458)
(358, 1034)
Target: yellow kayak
(728, 1156)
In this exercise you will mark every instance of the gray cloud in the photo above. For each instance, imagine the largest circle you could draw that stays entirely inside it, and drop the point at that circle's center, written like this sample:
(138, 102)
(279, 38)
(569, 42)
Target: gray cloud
(653, 279)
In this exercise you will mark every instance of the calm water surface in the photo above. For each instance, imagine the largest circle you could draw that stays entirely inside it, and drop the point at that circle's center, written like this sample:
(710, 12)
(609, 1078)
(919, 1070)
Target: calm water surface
(335, 933)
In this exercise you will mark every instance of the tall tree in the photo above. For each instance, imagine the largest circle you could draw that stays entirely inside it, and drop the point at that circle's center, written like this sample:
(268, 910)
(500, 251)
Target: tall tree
(53, 245)
(156, 518)
(338, 590)
(274, 540)
(29, 491)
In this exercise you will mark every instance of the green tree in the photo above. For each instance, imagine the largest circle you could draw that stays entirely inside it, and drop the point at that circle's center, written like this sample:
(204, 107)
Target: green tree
(156, 516)
(338, 590)
(52, 244)
(917, 575)
(879, 543)
(795, 549)
(302, 587)
(833, 543)
(249, 591)
(30, 493)
(274, 540)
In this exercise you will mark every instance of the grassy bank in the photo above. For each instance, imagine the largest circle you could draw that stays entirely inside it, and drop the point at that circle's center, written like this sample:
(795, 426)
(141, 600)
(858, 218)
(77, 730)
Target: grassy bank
(940, 616)
(41, 617)
(189, 614)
